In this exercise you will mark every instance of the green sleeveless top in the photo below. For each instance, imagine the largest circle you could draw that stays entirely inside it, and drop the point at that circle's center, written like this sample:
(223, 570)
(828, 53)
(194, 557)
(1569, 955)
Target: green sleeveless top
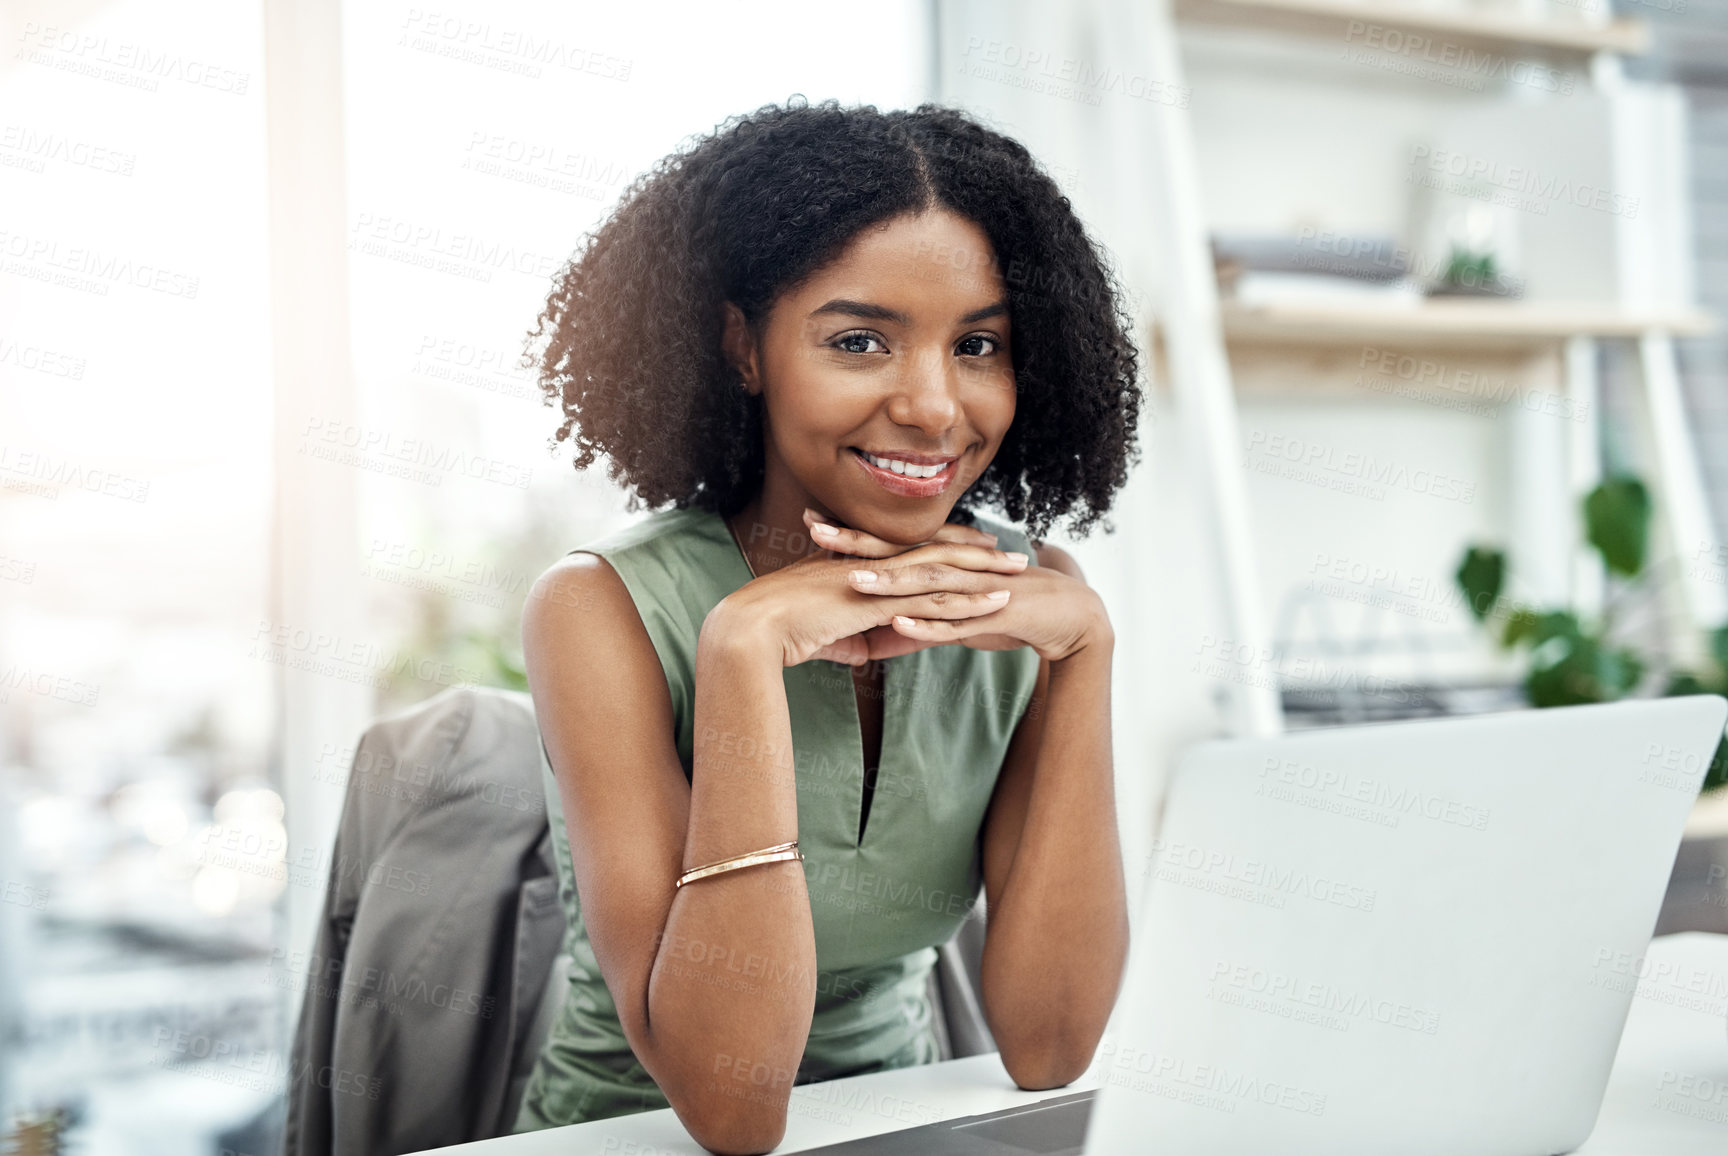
(880, 905)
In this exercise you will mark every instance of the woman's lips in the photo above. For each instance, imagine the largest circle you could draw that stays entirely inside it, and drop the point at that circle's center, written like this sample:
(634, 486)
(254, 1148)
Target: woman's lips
(903, 486)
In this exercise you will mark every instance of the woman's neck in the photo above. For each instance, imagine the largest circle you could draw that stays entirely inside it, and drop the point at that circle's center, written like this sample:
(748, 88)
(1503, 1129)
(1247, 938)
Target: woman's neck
(771, 526)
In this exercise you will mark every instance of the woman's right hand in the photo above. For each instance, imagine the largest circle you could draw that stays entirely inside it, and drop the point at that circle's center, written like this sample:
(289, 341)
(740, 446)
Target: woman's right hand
(808, 609)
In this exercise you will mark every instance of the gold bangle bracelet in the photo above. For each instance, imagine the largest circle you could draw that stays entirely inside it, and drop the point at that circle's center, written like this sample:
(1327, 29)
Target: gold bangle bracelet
(774, 854)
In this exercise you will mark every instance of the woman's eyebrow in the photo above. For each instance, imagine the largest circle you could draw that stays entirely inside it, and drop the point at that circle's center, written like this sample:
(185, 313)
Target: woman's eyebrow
(999, 309)
(864, 309)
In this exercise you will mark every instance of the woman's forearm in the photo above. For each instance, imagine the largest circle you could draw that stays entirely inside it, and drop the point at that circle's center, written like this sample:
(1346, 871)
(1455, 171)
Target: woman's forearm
(1058, 937)
(732, 991)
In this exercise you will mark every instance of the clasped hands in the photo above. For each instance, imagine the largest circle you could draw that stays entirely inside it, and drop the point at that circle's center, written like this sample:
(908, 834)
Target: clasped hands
(862, 599)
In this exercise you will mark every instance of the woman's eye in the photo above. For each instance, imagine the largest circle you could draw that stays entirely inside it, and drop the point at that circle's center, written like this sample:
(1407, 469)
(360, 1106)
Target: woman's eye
(859, 343)
(977, 345)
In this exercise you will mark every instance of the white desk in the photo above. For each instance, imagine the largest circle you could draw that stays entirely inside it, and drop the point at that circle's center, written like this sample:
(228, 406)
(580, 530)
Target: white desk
(1667, 1095)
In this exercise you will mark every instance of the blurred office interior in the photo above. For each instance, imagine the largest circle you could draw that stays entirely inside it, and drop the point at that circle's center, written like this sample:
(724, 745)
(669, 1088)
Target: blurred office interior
(1412, 277)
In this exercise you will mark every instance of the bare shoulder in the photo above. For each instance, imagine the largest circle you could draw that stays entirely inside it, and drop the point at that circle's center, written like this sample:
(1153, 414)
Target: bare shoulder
(1056, 558)
(580, 618)
(579, 593)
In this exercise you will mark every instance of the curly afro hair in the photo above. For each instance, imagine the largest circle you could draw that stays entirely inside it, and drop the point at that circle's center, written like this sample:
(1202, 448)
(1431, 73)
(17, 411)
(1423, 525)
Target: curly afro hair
(629, 343)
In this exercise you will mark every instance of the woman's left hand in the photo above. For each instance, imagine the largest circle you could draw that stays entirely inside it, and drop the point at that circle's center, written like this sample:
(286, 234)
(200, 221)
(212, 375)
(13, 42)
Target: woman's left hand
(1054, 613)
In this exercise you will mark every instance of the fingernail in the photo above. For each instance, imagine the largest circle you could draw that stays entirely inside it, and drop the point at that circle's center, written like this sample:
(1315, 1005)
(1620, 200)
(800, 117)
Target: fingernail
(997, 596)
(1014, 556)
(822, 528)
(863, 577)
(902, 620)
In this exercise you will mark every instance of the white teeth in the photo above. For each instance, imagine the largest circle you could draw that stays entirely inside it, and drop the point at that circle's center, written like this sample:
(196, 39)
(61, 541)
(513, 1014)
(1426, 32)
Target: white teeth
(906, 468)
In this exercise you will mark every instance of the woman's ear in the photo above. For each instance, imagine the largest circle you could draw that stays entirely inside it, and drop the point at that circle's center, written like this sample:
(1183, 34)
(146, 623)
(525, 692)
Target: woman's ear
(739, 344)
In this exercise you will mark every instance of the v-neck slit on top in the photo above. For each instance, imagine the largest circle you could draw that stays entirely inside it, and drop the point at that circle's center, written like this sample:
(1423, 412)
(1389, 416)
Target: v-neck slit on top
(880, 903)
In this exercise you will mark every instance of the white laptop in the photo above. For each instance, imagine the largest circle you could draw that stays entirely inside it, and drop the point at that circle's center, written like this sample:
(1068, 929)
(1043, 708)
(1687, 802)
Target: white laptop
(1418, 938)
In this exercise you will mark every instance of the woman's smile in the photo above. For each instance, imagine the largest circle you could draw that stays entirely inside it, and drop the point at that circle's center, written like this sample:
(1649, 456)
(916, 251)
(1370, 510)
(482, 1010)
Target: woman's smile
(908, 475)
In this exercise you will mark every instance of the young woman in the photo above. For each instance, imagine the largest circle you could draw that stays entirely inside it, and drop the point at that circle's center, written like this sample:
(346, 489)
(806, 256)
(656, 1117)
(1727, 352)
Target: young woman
(823, 337)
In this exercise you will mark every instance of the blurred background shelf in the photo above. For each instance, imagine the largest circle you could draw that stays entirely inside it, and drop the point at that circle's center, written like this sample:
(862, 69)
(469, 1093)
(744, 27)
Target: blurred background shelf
(1462, 323)
(1331, 18)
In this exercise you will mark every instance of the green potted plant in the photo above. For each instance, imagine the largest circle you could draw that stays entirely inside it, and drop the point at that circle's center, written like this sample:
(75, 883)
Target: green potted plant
(1571, 659)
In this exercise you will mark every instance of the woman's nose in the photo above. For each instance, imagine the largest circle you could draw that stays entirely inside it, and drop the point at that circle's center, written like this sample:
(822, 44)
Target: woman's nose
(927, 396)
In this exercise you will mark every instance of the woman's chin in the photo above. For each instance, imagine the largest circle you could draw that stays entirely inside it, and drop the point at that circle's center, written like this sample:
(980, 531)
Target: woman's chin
(902, 531)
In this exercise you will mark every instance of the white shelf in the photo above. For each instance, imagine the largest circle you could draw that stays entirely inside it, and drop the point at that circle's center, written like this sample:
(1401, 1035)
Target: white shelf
(1506, 30)
(1451, 322)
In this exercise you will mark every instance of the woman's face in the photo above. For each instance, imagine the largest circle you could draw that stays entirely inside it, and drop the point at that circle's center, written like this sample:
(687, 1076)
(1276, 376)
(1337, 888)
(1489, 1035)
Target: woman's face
(895, 352)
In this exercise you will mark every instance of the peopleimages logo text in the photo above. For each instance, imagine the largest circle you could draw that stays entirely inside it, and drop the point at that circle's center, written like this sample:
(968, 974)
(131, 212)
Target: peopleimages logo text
(1361, 789)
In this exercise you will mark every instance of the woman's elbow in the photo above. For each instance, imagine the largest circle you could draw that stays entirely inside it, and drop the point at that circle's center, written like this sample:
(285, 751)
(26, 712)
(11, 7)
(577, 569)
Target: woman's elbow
(746, 1121)
(1038, 1069)
(739, 1133)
